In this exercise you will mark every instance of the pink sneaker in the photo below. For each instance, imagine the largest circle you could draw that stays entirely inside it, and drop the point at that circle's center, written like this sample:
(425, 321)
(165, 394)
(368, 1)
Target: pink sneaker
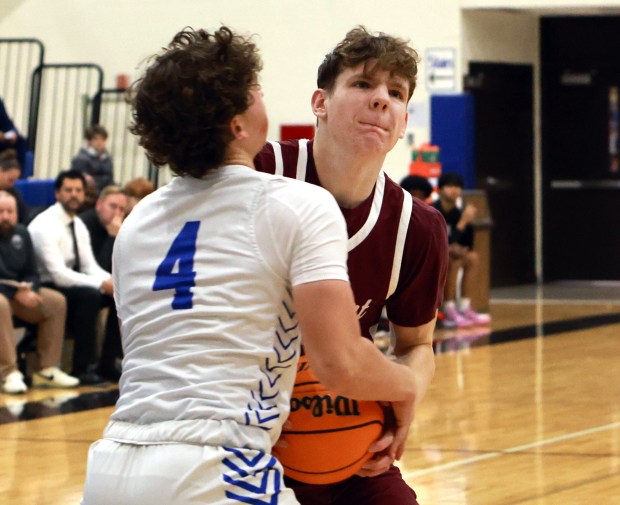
(475, 318)
(454, 319)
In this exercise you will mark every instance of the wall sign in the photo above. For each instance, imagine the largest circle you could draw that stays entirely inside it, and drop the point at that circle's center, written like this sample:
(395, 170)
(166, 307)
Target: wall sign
(440, 70)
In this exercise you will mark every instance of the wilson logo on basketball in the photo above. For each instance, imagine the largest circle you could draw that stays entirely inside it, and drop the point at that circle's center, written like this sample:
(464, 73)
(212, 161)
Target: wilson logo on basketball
(320, 405)
(328, 435)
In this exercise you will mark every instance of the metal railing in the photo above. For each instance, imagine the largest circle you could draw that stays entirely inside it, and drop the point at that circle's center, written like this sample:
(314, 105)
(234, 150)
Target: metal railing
(51, 104)
(18, 59)
(60, 109)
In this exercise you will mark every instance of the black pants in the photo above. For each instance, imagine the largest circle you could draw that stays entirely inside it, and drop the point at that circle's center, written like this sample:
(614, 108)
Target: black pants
(83, 305)
(112, 347)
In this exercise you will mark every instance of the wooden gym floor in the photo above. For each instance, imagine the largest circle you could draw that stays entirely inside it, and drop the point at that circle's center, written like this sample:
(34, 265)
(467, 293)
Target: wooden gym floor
(526, 411)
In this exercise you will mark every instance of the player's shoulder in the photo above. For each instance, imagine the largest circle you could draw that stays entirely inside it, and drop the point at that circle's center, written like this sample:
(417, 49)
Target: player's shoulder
(392, 189)
(427, 211)
(294, 190)
(284, 145)
(423, 215)
(293, 205)
(285, 150)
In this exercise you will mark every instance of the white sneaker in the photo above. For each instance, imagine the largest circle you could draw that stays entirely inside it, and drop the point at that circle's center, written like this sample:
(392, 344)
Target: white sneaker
(14, 383)
(15, 406)
(54, 377)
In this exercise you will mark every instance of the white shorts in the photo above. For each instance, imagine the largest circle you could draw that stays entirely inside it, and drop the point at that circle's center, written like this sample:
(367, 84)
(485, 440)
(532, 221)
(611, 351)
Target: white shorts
(174, 474)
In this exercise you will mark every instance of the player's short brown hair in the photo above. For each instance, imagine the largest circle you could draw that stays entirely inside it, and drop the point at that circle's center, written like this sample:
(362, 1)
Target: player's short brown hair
(360, 46)
(183, 105)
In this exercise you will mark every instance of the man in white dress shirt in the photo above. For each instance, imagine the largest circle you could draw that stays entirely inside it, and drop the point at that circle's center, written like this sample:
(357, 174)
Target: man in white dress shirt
(69, 266)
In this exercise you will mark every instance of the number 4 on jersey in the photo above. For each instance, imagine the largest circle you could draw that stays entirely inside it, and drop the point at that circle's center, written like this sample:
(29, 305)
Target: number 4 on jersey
(181, 253)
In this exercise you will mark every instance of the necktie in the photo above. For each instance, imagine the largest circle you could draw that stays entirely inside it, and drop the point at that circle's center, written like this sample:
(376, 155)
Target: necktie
(76, 253)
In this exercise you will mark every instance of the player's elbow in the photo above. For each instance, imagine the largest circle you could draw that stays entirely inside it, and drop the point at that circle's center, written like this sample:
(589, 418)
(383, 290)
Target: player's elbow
(336, 375)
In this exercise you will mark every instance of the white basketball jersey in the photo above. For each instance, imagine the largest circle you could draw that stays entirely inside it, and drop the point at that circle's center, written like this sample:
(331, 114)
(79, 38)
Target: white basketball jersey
(203, 270)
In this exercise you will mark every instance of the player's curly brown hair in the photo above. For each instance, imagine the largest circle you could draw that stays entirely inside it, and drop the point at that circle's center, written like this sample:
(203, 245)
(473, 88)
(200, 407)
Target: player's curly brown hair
(183, 105)
(359, 46)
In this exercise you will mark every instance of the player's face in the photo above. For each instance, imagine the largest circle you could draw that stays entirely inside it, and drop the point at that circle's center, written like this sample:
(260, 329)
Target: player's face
(368, 106)
(71, 195)
(111, 207)
(255, 121)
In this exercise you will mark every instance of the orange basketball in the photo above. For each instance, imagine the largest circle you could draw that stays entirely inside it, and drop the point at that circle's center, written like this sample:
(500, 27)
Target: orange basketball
(329, 435)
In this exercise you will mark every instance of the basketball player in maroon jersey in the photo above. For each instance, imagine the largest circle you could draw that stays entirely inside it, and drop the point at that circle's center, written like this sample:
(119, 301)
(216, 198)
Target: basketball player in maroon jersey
(398, 247)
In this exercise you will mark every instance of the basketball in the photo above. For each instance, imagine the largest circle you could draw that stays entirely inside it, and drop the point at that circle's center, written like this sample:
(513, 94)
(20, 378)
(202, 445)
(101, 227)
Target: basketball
(329, 435)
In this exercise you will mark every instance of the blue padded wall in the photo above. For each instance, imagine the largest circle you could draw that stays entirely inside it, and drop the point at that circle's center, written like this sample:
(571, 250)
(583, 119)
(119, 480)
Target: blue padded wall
(452, 129)
(37, 193)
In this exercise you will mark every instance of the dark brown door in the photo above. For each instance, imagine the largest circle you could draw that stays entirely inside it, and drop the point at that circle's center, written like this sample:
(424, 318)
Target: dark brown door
(503, 109)
(581, 177)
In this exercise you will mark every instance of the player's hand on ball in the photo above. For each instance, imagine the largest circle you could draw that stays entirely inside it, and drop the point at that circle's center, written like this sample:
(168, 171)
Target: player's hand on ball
(381, 461)
(403, 416)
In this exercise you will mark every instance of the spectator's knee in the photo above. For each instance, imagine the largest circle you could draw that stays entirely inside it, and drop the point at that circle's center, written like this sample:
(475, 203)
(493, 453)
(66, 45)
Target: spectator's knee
(54, 301)
(471, 258)
(455, 263)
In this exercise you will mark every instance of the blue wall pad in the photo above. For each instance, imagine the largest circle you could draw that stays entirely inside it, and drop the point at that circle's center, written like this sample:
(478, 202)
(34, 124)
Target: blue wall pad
(37, 193)
(453, 130)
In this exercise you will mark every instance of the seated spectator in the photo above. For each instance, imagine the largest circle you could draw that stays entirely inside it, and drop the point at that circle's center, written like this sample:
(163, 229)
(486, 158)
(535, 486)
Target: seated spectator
(418, 186)
(459, 313)
(136, 190)
(21, 296)
(103, 223)
(10, 138)
(93, 160)
(66, 263)
(90, 195)
(10, 171)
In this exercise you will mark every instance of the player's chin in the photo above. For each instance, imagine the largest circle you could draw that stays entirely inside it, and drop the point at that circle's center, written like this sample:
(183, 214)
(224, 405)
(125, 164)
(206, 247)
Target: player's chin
(375, 144)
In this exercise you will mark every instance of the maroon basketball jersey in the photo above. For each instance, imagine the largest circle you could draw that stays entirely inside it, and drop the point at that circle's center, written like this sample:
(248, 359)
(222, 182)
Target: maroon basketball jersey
(398, 250)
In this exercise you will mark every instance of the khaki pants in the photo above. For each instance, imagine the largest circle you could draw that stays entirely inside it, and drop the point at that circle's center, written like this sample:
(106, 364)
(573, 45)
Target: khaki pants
(50, 318)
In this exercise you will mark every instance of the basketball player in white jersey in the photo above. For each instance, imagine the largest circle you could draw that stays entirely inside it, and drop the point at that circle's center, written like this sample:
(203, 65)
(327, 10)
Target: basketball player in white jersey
(206, 270)
(398, 247)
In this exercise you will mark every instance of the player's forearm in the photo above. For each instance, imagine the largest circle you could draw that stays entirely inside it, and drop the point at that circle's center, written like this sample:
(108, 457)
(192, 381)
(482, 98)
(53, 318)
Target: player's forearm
(414, 348)
(420, 359)
(364, 373)
(342, 360)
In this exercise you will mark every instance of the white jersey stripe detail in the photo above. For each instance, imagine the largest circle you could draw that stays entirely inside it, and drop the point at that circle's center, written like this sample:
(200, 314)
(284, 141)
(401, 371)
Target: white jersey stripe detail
(277, 154)
(373, 215)
(403, 226)
(302, 160)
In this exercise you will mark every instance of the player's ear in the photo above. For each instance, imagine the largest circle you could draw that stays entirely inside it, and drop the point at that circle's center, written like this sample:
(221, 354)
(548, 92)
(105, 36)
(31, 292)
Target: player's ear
(404, 128)
(237, 128)
(319, 97)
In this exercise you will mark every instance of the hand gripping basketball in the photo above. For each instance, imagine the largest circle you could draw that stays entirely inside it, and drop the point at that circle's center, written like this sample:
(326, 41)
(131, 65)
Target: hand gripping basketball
(329, 435)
